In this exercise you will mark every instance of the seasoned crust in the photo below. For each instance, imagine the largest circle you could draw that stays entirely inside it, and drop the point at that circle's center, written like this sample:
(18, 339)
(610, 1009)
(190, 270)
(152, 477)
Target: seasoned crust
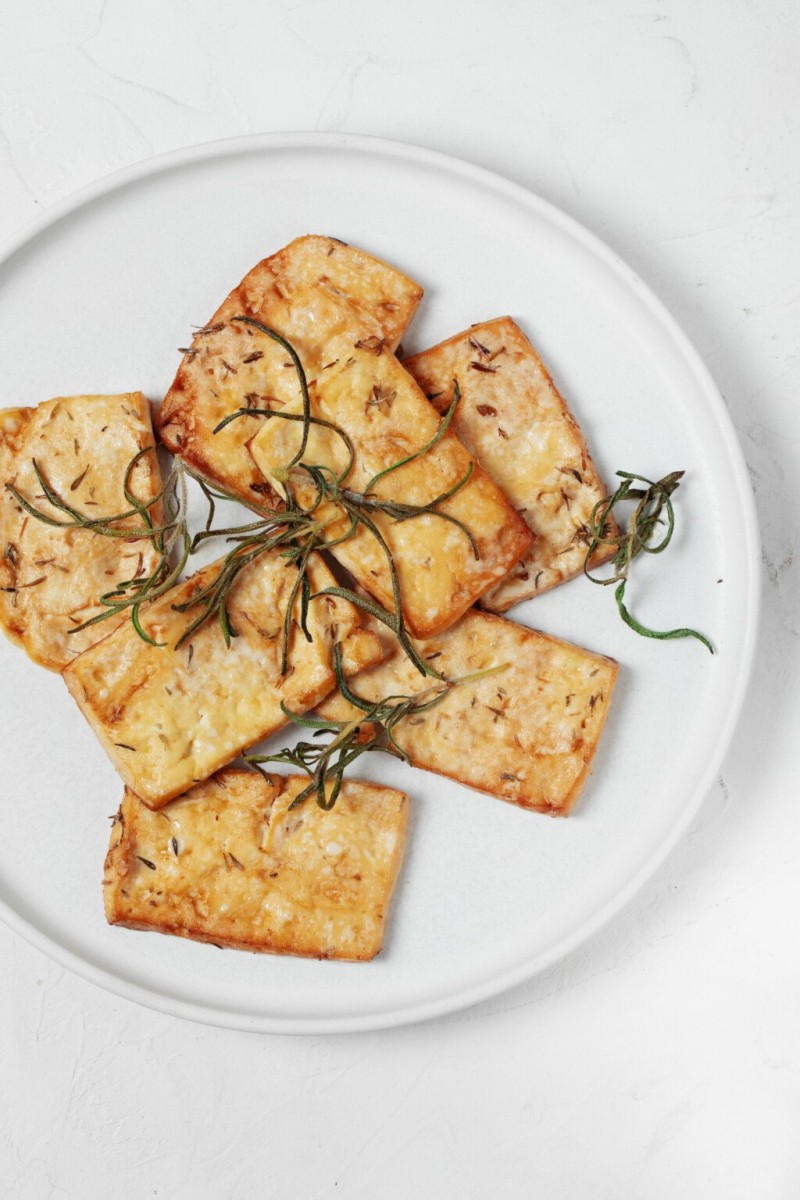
(309, 291)
(228, 863)
(367, 393)
(518, 426)
(526, 734)
(168, 718)
(51, 578)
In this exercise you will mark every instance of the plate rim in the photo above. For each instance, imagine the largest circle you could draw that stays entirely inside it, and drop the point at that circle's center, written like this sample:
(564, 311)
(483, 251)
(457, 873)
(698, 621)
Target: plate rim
(751, 601)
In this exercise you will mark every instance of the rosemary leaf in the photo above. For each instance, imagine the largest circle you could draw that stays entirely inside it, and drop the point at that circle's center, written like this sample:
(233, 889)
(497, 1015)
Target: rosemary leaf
(652, 633)
(276, 414)
(654, 509)
(357, 506)
(128, 594)
(444, 425)
(386, 618)
(301, 375)
(325, 763)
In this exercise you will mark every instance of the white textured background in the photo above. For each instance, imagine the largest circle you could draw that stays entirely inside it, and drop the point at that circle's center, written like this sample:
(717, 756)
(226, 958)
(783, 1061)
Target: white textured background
(663, 1059)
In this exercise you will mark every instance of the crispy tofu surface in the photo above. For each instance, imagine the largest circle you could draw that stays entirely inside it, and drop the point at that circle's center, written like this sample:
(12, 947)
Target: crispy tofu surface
(51, 578)
(169, 717)
(512, 418)
(232, 863)
(526, 734)
(367, 393)
(311, 291)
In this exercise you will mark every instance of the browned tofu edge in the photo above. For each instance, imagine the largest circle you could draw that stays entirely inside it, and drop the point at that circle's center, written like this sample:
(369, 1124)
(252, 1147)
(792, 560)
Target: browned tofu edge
(174, 416)
(14, 630)
(122, 851)
(335, 708)
(501, 597)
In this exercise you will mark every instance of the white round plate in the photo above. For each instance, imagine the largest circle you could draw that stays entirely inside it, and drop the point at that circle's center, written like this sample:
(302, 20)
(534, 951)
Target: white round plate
(97, 296)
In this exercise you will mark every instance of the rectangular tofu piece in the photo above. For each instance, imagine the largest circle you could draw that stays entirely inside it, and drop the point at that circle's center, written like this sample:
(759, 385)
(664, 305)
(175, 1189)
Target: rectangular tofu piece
(168, 718)
(228, 863)
(309, 291)
(51, 579)
(526, 734)
(367, 393)
(512, 418)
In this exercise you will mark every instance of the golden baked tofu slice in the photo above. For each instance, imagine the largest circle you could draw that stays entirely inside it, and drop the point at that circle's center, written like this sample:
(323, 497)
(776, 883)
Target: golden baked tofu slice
(526, 734)
(169, 717)
(229, 863)
(309, 292)
(512, 418)
(367, 393)
(51, 578)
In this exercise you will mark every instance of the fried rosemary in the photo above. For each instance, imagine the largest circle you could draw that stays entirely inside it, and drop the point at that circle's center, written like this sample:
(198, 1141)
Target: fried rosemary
(128, 594)
(654, 509)
(358, 507)
(294, 530)
(326, 762)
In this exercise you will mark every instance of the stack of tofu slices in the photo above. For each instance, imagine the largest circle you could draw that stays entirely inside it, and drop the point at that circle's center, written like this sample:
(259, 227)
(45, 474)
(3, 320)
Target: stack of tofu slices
(206, 850)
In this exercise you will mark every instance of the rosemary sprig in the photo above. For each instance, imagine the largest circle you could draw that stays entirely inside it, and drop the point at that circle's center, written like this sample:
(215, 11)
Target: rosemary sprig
(301, 375)
(359, 507)
(359, 502)
(212, 600)
(327, 486)
(128, 594)
(293, 529)
(444, 425)
(307, 421)
(107, 526)
(326, 762)
(290, 529)
(643, 523)
(275, 528)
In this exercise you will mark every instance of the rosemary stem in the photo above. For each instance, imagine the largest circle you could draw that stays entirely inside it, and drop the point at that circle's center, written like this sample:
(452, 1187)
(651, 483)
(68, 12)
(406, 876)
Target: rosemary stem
(653, 500)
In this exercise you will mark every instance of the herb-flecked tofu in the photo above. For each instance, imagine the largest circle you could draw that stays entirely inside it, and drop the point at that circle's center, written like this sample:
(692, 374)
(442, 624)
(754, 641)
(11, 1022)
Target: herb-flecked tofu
(51, 578)
(512, 418)
(309, 292)
(526, 733)
(442, 570)
(232, 863)
(169, 717)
